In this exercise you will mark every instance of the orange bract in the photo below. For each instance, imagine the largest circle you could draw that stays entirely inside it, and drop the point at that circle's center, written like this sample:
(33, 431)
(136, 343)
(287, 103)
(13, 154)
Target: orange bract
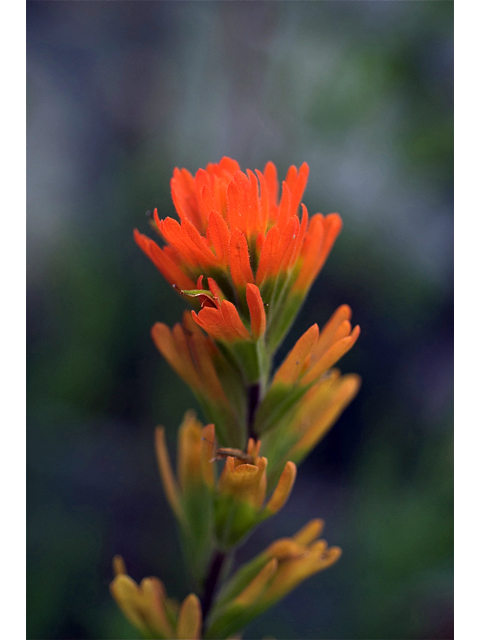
(314, 352)
(234, 228)
(222, 321)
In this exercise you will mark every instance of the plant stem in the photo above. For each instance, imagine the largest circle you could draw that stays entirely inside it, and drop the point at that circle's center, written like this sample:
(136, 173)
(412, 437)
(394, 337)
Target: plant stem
(211, 583)
(253, 402)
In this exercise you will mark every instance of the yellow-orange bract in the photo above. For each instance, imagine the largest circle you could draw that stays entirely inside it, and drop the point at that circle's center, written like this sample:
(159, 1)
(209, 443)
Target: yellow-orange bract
(147, 607)
(238, 497)
(315, 352)
(235, 230)
(270, 576)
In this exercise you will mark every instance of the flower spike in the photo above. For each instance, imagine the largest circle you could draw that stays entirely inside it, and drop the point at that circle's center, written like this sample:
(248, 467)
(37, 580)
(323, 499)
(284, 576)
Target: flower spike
(243, 252)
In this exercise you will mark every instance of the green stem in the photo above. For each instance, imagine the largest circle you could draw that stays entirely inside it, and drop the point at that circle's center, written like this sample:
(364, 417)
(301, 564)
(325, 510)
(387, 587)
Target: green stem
(211, 582)
(254, 393)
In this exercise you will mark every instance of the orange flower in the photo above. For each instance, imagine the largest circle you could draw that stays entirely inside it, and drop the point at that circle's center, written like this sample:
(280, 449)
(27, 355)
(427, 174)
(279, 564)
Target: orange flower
(233, 228)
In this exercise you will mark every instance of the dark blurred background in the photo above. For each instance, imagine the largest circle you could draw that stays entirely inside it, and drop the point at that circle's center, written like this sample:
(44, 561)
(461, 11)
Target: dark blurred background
(119, 93)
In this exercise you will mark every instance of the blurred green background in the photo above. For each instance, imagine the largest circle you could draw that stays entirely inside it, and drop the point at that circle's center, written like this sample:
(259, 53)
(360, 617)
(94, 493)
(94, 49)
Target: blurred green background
(119, 93)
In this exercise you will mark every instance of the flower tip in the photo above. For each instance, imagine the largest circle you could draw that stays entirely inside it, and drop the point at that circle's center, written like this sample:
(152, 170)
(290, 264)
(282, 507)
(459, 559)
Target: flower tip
(350, 387)
(335, 222)
(283, 489)
(142, 241)
(330, 556)
(159, 331)
(189, 619)
(309, 532)
(344, 312)
(355, 333)
(119, 567)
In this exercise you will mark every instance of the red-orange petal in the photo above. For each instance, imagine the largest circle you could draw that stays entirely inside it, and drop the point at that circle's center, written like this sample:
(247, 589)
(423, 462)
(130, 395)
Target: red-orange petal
(232, 319)
(182, 187)
(229, 165)
(258, 320)
(222, 324)
(298, 187)
(175, 236)
(219, 235)
(240, 268)
(167, 267)
(264, 203)
(284, 212)
(254, 214)
(270, 173)
(300, 235)
(237, 204)
(310, 253)
(333, 225)
(215, 289)
(210, 322)
(268, 251)
(287, 244)
(198, 244)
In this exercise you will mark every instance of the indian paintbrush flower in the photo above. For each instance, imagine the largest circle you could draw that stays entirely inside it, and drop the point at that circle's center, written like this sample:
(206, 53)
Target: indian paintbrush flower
(245, 259)
(234, 229)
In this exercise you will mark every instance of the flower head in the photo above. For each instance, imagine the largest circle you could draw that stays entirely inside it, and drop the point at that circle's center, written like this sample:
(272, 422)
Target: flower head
(236, 230)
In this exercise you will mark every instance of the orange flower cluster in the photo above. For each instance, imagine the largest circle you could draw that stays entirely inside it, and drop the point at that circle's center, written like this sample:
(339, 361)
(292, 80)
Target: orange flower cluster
(236, 231)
